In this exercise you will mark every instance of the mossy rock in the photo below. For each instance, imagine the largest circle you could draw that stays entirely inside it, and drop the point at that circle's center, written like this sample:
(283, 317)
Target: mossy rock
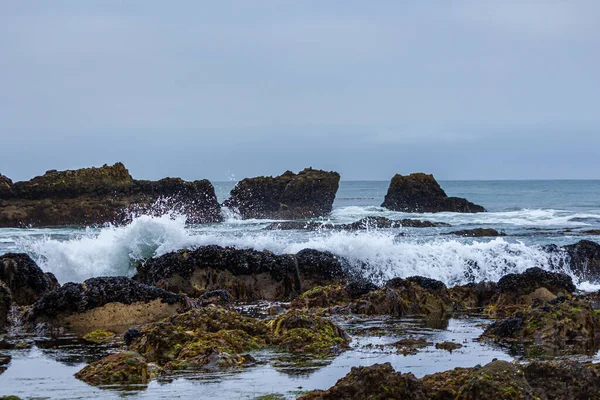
(99, 337)
(300, 333)
(496, 380)
(126, 368)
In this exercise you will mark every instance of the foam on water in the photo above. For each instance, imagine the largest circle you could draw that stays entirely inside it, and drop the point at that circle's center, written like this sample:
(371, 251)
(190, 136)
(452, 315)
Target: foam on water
(378, 254)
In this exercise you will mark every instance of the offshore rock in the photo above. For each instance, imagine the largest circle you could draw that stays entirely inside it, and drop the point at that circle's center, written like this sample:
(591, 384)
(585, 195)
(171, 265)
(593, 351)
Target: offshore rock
(110, 303)
(246, 274)
(565, 325)
(126, 368)
(478, 232)
(377, 382)
(584, 260)
(99, 195)
(533, 283)
(421, 193)
(5, 304)
(308, 194)
(363, 224)
(24, 278)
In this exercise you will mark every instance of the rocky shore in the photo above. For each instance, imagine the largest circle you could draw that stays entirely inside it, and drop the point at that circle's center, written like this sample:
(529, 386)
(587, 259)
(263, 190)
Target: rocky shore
(183, 312)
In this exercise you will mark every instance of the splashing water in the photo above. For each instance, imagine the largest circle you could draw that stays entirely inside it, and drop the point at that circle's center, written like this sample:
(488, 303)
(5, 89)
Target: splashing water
(377, 254)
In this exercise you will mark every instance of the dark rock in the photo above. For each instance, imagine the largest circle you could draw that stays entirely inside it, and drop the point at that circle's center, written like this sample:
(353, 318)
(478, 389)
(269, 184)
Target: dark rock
(475, 295)
(478, 232)
(359, 287)
(100, 195)
(496, 380)
(4, 361)
(448, 346)
(246, 274)
(110, 303)
(219, 297)
(5, 305)
(377, 382)
(363, 224)
(24, 278)
(6, 187)
(523, 288)
(308, 194)
(130, 335)
(428, 283)
(584, 260)
(421, 193)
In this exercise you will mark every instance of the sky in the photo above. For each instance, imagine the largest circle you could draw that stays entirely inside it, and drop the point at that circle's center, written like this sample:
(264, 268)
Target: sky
(232, 89)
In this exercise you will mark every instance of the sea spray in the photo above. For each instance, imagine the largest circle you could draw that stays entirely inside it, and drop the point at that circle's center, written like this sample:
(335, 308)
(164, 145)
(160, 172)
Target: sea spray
(377, 254)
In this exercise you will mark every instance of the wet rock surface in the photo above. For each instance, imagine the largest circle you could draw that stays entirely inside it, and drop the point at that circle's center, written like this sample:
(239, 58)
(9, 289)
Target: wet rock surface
(421, 193)
(81, 305)
(308, 194)
(24, 278)
(533, 283)
(5, 304)
(246, 274)
(98, 195)
(584, 259)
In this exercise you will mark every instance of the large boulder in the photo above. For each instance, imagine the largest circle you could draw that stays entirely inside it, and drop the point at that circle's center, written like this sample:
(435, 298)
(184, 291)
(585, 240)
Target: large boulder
(110, 303)
(24, 278)
(584, 260)
(5, 304)
(125, 368)
(421, 193)
(308, 194)
(534, 283)
(100, 195)
(246, 274)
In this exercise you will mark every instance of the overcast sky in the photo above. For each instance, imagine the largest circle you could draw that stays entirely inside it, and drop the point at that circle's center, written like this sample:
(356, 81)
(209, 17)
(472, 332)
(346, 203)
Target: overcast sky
(463, 89)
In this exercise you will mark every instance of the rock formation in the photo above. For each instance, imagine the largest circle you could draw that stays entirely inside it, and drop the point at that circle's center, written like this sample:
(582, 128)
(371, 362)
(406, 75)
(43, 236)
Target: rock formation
(24, 278)
(421, 193)
(308, 194)
(99, 195)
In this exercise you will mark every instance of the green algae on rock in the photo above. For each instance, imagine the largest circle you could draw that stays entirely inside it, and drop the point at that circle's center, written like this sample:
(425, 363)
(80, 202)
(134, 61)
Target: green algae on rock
(300, 333)
(126, 368)
(99, 336)
(565, 325)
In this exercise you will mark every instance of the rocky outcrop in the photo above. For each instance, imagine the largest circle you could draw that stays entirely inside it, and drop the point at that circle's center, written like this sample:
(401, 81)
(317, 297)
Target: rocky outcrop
(246, 274)
(421, 193)
(363, 224)
(100, 195)
(563, 380)
(584, 260)
(126, 368)
(564, 325)
(5, 304)
(112, 303)
(478, 232)
(25, 279)
(308, 194)
(534, 283)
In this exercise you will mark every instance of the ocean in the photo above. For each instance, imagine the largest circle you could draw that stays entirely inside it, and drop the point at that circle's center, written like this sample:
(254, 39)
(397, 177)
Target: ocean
(532, 214)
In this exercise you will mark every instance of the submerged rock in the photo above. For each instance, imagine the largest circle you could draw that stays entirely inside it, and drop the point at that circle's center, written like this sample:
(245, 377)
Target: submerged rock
(584, 260)
(99, 195)
(421, 193)
(478, 232)
(246, 274)
(363, 224)
(126, 368)
(111, 303)
(308, 194)
(377, 382)
(565, 325)
(24, 278)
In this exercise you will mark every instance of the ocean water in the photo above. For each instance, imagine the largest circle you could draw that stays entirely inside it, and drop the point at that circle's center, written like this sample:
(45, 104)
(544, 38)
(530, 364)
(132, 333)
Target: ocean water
(531, 213)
